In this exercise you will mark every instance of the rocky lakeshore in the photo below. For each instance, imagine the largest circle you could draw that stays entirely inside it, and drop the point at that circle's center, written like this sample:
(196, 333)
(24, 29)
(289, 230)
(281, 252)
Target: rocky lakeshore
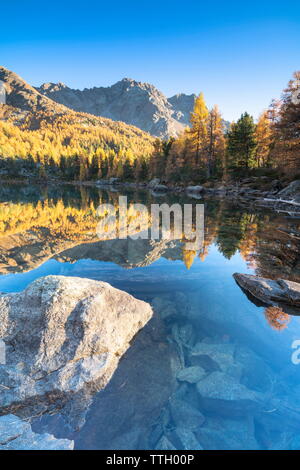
(256, 191)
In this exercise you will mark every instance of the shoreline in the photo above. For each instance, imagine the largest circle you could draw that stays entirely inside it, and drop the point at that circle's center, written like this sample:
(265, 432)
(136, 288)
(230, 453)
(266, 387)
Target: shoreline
(238, 192)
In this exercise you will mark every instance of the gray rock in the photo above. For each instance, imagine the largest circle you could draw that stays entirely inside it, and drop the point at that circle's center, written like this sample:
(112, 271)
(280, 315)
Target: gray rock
(191, 374)
(220, 386)
(164, 307)
(16, 434)
(269, 291)
(126, 441)
(63, 334)
(12, 427)
(183, 334)
(164, 444)
(225, 395)
(256, 374)
(160, 188)
(220, 353)
(114, 180)
(185, 415)
(228, 434)
(153, 183)
(194, 189)
(290, 192)
(187, 439)
(102, 182)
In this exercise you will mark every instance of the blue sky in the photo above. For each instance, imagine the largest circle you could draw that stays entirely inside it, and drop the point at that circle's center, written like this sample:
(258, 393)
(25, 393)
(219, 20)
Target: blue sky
(240, 54)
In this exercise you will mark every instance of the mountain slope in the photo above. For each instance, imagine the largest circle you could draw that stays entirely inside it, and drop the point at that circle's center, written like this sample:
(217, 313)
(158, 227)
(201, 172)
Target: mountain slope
(20, 94)
(183, 105)
(136, 103)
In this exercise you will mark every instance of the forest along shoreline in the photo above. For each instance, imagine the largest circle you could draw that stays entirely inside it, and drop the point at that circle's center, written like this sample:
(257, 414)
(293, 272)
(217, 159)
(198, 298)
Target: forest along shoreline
(258, 191)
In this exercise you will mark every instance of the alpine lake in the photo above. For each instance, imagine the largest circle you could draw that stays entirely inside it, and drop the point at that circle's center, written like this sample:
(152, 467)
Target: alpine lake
(213, 368)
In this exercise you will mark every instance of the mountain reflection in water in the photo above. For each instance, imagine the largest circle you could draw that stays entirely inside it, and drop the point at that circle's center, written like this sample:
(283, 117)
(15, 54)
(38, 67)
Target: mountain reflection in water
(248, 395)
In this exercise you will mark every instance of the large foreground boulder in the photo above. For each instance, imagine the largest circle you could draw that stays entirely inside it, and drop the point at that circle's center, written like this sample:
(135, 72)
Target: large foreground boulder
(16, 434)
(63, 334)
(269, 291)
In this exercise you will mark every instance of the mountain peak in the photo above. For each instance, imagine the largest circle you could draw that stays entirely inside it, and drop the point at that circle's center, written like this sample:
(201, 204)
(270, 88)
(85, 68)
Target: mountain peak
(50, 86)
(21, 95)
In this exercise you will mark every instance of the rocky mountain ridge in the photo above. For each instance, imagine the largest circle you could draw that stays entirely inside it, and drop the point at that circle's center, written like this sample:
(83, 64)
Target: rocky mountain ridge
(136, 103)
(19, 94)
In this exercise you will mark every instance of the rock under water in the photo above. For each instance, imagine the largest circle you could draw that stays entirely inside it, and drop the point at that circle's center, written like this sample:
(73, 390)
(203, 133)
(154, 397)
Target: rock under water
(16, 434)
(63, 335)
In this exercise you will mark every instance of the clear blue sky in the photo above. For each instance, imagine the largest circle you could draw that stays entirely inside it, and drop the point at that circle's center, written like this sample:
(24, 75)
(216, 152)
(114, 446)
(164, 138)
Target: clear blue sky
(240, 54)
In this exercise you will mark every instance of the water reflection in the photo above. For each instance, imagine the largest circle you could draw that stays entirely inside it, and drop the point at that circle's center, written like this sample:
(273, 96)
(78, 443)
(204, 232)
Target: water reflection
(39, 224)
(213, 368)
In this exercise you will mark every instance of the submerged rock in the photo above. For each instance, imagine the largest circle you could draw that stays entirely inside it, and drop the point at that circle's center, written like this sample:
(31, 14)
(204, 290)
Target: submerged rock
(269, 291)
(63, 334)
(185, 415)
(220, 386)
(164, 444)
(191, 374)
(223, 394)
(228, 434)
(16, 434)
(221, 353)
(187, 439)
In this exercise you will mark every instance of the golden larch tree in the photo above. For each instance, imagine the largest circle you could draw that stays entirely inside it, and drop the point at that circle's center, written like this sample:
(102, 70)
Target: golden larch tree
(198, 132)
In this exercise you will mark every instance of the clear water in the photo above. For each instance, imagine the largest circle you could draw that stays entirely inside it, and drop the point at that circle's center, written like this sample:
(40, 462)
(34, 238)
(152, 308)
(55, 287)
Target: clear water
(242, 347)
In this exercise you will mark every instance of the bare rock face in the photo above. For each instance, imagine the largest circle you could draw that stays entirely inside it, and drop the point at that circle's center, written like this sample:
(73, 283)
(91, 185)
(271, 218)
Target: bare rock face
(270, 291)
(21, 95)
(136, 103)
(183, 105)
(63, 334)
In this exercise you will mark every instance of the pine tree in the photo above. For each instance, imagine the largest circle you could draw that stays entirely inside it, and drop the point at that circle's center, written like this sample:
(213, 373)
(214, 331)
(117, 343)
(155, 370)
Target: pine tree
(241, 142)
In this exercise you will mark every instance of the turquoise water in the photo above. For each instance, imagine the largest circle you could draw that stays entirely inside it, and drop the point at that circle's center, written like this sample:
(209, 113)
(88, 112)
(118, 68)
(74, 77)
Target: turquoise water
(248, 395)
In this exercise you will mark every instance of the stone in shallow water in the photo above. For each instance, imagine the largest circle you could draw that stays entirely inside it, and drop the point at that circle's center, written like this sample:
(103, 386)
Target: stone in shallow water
(126, 441)
(225, 395)
(164, 307)
(220, 386)
(227, 434)
(183, 334)
(270, 291)
(221, 353)
(185, 415)
(12, 427)
(16, 434)
(191, 374)
(187, 439)
(256, 374)
(63, 334)
(164, 444)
